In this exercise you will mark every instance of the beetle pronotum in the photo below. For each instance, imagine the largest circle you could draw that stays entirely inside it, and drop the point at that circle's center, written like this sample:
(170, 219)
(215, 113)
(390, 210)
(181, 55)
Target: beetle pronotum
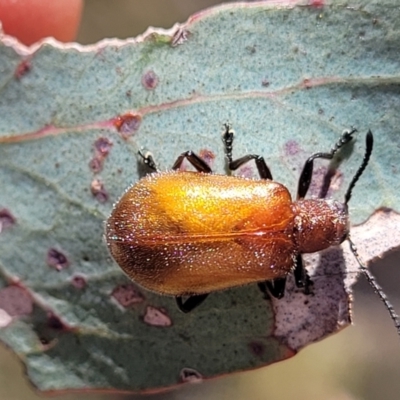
(186, 233)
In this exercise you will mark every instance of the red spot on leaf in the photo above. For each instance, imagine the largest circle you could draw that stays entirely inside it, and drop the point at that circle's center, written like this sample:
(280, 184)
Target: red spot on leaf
(248, 171)
(127, 295)
(96, 164)
(22, 69)
(98, 190)
(292, 148)
(7, 220)
(317, 3)
(103, 146)
(57, 259)
(208, 156)
(79, 281)
(127, 124)
(150, 80)
(156, 317)
(15, 301)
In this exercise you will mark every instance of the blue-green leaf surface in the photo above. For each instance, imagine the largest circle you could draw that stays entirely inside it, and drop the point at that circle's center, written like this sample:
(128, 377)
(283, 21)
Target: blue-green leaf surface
(288, 77)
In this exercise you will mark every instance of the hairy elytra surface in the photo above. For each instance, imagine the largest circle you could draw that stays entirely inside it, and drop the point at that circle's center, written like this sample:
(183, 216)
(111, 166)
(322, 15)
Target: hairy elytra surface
(184, 233)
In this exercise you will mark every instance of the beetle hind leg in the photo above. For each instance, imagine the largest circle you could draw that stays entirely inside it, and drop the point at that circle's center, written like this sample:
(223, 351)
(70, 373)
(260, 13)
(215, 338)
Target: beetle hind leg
(190, 303)
(233, 165)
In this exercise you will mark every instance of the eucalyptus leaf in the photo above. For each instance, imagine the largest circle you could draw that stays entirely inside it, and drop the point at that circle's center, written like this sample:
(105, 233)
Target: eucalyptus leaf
(289, 77)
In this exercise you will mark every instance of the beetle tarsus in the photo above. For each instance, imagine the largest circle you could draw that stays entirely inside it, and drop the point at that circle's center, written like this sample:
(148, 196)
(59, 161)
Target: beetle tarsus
(233, 165)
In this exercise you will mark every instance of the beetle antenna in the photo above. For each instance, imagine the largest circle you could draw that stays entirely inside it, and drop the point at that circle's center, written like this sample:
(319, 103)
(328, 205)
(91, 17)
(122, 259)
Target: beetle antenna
(369, 143)
(377, 289)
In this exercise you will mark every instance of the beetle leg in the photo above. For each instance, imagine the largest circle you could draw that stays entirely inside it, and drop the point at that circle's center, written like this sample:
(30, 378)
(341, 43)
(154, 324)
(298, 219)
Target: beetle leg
(262, 167)
(148, 160)
(306, 174)
(233, 165)
(301, 276)
(194, 159)
(190, 303)
(263, 288)
(277, 287)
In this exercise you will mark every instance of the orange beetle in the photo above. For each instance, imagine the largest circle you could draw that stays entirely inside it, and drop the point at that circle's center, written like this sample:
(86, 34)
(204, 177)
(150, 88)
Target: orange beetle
(190, 233)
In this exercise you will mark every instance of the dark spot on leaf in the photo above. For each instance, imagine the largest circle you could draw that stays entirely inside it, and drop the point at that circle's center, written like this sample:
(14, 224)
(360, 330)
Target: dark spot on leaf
(44, 340)
(96, 164)
(128, 93)
(251, 49)
(98, 191)
(127, 295)
(257, 348)
(247, 171)
(22, 69)
(150, 80)
(291, 148)
(54, 322)
(265, 83)
(190, 375)
(320, 111)
(156, 317)
(15, 301)
(79, 281)
(307, 83)
(85, 258)
(57, 259)
(127, 124)
(103, 146)
(7, 220)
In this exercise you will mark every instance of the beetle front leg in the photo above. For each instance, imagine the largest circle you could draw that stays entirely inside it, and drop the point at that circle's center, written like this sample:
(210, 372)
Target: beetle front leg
(306, 174)
(233, 165)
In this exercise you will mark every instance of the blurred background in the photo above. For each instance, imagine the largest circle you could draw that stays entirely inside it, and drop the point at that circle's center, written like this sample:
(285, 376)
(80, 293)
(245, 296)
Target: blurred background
(361, 362)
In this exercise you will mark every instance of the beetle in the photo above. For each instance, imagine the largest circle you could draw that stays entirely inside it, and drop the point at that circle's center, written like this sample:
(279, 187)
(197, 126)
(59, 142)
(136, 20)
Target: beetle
(189, 233)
